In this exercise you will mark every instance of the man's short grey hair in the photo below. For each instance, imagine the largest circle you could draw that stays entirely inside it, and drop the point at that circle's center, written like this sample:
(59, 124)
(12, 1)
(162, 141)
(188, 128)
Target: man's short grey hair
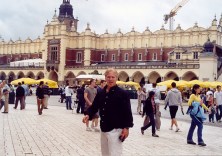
(111, 70)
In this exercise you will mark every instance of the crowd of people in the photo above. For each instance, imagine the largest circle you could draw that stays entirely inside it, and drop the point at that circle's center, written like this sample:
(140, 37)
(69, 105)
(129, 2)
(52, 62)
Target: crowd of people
(201, 103)
(112, 105)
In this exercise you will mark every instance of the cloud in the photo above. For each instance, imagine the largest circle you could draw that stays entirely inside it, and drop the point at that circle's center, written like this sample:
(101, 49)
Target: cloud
(25, 18)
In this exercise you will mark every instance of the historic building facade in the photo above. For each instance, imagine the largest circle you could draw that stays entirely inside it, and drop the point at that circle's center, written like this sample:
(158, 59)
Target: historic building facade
(138, 56)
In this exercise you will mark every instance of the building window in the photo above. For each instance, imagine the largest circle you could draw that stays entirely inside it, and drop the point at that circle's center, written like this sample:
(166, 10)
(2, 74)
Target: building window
(78, 57)
(177, 56)
(140, 57)
(113, 57)
(102, 57)
(154, 56)
(9, 60)
(54, 53)
(126, 58)
(195, 55)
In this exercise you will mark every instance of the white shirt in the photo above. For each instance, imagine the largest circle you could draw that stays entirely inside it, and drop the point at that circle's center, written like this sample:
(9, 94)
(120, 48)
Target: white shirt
(68, 91)
(218, 97)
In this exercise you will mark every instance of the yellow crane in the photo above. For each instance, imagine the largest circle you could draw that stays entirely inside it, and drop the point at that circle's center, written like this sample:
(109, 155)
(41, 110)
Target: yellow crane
(173, 12)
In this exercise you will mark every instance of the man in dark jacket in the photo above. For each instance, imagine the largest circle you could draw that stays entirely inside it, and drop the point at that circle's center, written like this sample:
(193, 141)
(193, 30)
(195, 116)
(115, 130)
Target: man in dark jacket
(20, 93)
(80, 98)
(150, 110)
(40, 97)
(114, 108)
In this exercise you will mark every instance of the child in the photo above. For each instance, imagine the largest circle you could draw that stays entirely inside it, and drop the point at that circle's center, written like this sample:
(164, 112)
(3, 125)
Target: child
(211, 108)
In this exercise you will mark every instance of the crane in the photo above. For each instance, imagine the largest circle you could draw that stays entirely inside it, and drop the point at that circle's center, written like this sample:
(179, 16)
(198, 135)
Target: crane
(173, 12)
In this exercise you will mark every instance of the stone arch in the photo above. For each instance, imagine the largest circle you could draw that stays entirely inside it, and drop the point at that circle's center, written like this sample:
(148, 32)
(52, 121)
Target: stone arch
(70, 78)
(11, 76)
(171, 76)
(2, 76)
(31, 75)
(123, 76)
(40, 75)
(154, 77)
(188, 76)
(138, 77)
(53, 76)
(81, 73)
(20, 75)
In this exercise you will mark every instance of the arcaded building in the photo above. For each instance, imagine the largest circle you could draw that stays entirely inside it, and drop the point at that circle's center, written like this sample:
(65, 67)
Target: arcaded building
(142, 57)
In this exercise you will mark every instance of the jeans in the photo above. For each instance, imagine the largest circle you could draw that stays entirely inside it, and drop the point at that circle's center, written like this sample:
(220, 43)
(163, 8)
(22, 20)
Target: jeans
(195, 122)
(220, 111)
(68, 102)
(152, 122)
(81, 105)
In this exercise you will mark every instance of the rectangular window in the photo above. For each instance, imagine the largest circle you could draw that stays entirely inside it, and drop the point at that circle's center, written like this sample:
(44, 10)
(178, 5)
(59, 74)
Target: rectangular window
(79, 57)
(195, 55)
(154, 56)
(113, 57)
(102, 57)
(9, 60)
(140, 57)
(126, 58)
(177, 56)
(54, 53)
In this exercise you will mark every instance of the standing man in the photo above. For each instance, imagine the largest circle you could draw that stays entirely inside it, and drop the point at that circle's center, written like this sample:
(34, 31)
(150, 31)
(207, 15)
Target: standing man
(89, 95)
(69, 92)
(157, 98)
(174, 99)
(19, 93)
(81, 100)
(26, 88)
(113, 104)
(40, 97)
(140, 96)
(102, 85)
(5, 90)
(218, 102)
(46, 95)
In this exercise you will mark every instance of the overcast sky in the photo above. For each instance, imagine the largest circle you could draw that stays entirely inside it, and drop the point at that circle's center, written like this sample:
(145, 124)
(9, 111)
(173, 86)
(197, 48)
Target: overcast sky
(27, 18)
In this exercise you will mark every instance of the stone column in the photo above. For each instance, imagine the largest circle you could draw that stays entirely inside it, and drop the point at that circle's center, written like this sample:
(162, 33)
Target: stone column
(87, 57)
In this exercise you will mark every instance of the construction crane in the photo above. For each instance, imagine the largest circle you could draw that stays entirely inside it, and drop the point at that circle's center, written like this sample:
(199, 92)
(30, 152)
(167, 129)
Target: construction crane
(173, 12)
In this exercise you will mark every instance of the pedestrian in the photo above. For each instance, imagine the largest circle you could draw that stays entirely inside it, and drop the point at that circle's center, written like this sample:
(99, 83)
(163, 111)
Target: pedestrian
(2, 98)
(89, 95)
(113, 104)
(47, 93)
(26, 88)
(150, 109)
(157, 98)
(81, 100)
(211, 108)
(19, 93)
(40, 97)
(69, 92)
(174, 99)
(5, 90)
(218, 103)
(140, 97)
(195, 103)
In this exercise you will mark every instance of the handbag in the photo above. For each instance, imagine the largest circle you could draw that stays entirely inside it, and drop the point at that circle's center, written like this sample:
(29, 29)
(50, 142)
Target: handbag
(197, 110)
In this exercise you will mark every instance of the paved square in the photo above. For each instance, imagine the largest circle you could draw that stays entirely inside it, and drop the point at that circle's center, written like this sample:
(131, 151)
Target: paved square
(58, 132)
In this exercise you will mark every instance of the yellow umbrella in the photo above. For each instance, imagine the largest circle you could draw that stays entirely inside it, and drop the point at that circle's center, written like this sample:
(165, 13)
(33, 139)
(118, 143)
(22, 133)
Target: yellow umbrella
(166, 83)
(215, 84)
(120, 83)
(182, 83)
(51, 83)
(28, 81)
(135, 84)
(193, 82)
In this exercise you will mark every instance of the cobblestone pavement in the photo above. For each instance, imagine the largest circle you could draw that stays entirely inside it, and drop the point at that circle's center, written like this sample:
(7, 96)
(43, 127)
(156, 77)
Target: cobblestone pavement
(59, 132)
